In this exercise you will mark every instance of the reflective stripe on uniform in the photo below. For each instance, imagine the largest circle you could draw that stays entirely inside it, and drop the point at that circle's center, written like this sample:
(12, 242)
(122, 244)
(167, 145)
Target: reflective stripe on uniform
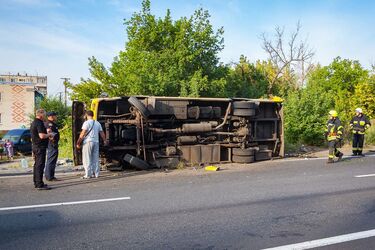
(331, 156)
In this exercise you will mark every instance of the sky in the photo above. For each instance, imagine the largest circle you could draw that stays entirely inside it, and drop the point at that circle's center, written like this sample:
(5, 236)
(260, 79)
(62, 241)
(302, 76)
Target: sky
(56, 37)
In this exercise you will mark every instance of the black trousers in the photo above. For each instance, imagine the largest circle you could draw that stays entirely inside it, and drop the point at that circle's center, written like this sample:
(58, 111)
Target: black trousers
(39, 164)
(358, 141)
(52, 155)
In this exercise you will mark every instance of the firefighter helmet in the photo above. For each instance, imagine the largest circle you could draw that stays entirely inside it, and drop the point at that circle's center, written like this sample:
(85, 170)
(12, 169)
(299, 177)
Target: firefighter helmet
(333, 113)
(358, 110)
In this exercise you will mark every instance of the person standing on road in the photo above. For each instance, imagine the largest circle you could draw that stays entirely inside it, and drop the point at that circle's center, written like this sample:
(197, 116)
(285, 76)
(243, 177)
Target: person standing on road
(91, 130)
(53, 146)
(334, 131)
(9, 149)
(39, 137)
(359, 124)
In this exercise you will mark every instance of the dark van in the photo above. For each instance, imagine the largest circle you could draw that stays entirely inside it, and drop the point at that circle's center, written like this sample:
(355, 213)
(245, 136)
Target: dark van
(21, 139)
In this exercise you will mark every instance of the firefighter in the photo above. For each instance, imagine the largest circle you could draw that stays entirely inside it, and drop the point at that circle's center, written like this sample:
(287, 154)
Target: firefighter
(358, 125)
(333, 134)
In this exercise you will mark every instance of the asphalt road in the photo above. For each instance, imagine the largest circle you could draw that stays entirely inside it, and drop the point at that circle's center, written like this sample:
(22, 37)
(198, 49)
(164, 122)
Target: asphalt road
(257, 206)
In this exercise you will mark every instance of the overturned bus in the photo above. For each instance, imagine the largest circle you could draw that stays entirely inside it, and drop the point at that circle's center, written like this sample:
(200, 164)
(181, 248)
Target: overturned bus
(152, 131)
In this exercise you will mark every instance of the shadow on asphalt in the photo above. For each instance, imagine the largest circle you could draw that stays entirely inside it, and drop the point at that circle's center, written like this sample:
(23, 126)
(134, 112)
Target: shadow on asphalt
(19, 226)
(106, 177)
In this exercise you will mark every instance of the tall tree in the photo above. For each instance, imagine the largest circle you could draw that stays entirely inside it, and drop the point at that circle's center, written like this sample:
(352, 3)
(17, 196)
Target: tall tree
(163, 57)
(288, 55)
(246, 79)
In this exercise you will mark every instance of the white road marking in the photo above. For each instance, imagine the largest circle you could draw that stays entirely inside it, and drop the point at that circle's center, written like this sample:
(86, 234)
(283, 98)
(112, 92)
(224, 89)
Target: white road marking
(63, 203)
(364, 175)
(327, 241)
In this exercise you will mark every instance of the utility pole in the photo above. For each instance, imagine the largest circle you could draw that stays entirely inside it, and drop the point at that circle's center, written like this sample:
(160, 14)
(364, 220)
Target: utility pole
(66, 79)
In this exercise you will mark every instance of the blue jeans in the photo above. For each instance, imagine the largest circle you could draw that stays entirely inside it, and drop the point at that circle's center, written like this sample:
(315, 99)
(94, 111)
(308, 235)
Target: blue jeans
(52, 155)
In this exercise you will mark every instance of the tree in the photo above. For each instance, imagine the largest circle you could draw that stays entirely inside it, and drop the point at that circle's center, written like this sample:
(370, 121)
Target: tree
(288, 56)
(364, 97)
(161, 57)
(336, 86)
(54, 104)
(247, 79)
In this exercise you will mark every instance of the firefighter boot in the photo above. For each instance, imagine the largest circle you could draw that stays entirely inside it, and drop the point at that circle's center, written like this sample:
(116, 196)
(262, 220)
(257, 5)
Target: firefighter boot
(360, 153)
(330, 160)
(340, 155)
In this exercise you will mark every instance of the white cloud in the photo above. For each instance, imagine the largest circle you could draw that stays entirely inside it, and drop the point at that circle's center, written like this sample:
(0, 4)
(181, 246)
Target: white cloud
(55, 53)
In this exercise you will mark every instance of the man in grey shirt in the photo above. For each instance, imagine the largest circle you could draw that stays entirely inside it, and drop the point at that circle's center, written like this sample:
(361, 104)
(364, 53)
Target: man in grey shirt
(91, 130)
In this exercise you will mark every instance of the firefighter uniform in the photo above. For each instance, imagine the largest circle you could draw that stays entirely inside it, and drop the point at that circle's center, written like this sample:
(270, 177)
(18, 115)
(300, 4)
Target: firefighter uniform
(334, 131)
(53, 148)
(358, 125)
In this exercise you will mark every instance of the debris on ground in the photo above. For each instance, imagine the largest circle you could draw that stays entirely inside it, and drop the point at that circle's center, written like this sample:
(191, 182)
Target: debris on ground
(212, 168)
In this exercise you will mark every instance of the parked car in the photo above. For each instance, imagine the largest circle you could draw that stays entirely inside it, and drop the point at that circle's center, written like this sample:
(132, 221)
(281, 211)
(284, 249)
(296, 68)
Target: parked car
(21, 139)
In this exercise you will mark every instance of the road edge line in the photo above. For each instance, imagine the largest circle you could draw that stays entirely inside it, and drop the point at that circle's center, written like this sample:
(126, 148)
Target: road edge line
(63, 203)
(327, 241)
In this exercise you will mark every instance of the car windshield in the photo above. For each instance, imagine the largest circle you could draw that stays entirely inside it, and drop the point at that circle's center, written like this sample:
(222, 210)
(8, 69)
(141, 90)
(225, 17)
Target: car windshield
(12, 138)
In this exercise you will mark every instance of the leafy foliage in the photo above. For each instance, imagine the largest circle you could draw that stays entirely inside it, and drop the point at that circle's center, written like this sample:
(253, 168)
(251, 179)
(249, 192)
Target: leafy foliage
(63, 122)
(161, 57)
(180, 58)
(342, 85)
(54, 104)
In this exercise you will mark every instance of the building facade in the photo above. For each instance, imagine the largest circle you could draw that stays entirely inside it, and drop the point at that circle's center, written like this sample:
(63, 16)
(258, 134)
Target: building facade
(19, 95)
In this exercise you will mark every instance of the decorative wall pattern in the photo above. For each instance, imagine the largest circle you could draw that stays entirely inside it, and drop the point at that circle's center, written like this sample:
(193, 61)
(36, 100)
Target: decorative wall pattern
(18, 108)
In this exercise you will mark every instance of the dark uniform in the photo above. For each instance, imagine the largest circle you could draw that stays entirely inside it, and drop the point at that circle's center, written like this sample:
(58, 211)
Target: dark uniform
(359, 124)
(39, 147)
(52, 151)
(334, 132)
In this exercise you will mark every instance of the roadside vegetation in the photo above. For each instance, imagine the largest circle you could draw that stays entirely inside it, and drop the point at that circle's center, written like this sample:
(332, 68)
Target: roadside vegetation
(180, 57)
(64, 122)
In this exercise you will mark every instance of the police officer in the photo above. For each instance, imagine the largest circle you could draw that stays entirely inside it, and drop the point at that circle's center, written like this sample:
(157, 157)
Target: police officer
(39, 137)
(53, 146)
(359, 124)
(333, 134)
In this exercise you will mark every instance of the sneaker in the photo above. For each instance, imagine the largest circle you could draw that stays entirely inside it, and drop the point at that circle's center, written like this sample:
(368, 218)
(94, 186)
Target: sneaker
(85, 177)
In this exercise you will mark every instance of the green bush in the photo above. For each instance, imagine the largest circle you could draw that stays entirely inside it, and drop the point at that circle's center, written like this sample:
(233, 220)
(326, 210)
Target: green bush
(370, 135)
(66, 143)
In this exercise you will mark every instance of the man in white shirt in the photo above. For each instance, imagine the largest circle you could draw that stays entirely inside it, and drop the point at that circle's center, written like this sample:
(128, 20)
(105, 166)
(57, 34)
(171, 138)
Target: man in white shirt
(91, 130)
